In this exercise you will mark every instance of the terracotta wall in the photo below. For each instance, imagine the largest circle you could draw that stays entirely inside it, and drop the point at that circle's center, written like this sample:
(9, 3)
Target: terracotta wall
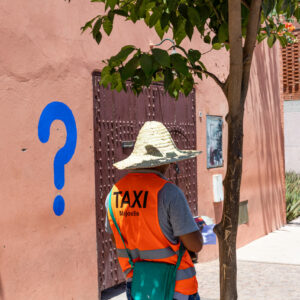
(263, 163)
(44, 58)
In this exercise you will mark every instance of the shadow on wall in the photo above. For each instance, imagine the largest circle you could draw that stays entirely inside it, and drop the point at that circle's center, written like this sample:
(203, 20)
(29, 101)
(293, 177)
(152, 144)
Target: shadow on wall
(269, 137)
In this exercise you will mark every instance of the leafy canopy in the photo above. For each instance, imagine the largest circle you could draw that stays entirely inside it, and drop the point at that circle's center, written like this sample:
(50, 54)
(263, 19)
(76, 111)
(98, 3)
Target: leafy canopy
(184, 18)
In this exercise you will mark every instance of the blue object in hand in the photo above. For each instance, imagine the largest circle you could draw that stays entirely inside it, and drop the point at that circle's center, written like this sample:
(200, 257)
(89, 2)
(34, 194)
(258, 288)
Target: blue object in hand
(209, 237)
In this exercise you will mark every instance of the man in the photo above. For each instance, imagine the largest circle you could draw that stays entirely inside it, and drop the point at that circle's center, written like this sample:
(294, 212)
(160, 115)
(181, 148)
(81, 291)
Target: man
(152, 213)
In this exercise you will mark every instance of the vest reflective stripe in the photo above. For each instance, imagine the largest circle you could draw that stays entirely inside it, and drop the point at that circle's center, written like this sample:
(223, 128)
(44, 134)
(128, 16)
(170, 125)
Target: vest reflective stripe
(180, 275)
(147, 254)
(135, 207)
(126, 272)
(186, 273)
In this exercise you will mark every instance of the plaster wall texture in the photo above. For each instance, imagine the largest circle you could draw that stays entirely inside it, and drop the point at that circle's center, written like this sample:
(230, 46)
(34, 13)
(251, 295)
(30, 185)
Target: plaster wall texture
(44, 58)
(263, 151)
(263, 183)
(292, 135)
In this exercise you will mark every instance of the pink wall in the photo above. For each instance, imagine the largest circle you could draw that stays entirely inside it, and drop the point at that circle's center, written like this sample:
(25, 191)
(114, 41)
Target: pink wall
(44, 58)
(263, 164)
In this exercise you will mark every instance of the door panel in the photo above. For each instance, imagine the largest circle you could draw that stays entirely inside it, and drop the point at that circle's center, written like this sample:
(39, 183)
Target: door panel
(118, 118)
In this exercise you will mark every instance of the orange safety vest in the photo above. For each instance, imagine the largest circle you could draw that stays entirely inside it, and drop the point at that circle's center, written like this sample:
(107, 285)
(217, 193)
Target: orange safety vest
(134, 204)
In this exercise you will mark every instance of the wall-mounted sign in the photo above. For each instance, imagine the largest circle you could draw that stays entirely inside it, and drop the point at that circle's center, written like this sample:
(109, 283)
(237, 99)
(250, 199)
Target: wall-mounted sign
(218, 188)
(214, 141)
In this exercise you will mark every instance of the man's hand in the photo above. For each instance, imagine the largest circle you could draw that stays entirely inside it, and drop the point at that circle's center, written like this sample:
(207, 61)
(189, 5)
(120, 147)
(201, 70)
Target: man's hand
(192, 241)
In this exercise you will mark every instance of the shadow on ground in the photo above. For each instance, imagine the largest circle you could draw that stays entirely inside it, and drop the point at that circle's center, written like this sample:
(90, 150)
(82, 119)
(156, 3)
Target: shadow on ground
(114, 292)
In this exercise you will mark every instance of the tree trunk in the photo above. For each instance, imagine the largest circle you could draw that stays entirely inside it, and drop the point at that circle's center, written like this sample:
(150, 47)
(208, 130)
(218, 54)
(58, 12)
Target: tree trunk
(227, 229)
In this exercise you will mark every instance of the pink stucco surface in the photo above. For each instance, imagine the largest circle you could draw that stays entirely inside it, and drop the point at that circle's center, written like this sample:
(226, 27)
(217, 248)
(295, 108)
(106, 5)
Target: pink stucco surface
(263, 154)
(44, 58)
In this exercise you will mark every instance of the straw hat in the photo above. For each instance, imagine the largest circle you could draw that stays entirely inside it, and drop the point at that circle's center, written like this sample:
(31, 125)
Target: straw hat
(154, 147)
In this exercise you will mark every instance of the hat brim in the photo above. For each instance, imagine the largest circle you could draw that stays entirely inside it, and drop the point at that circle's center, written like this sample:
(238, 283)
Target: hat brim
(149, 161)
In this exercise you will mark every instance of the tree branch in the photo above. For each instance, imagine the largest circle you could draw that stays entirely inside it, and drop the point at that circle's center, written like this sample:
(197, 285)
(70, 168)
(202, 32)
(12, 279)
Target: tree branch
(250, 42)
(245, 3)
(221, 84)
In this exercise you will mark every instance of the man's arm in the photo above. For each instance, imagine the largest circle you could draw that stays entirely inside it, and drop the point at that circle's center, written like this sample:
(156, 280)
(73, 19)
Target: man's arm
(176, 219)
(192, 241)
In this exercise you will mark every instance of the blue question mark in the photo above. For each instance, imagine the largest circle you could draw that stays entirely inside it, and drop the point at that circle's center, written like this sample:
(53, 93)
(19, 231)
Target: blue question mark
(59, 111)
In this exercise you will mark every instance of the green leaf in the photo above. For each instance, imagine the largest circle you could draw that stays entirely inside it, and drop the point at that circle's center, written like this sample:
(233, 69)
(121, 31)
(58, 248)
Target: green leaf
(147, 18)
(261, 37)
(158, 76)
(268, 30)
(116, 82)
(133, 14)
(193, 16)
(188, 84)
(122, 55)
(285, 5)
(268, 6)
(107, 25)
(111, 15)
(215, 39)
(106, 5)
(194, 55)
(207, 39)
(183, 9)
(120, 12)
(179, 31)
(154, 18)
(271, 40)
(105, 71)
(160, 32)
(278, 6)
(139, 77)
(164, 20)
(105, 76)
(168, 77)
(282, 40)
(179, 64)
(130, 68)
(189, 29)
(223, 33)
(97, 27)
(174, 88)
(146, 63)
(140, 6)
(202, 65)
(204, 13)
(88, 24)
(105, 80)
(112, 3)
(161, 56)
(217, 46)
(174, 19)
(199, 74)
(98, 37)
(172, 4)
(297, 14)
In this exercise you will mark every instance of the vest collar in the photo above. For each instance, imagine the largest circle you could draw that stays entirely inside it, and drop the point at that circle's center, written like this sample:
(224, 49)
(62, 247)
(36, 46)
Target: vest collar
(148, 171)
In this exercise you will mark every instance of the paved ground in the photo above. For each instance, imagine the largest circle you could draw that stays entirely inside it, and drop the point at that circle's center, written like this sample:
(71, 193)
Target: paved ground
(268, 269)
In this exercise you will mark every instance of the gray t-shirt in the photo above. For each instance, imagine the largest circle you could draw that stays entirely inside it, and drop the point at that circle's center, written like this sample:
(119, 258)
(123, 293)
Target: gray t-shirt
(174, 215)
